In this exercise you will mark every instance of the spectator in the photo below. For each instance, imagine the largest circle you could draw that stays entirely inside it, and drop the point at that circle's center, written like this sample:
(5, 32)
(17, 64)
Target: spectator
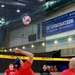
(52, 69)
(64, 68)
(55, 69)
(71, 70)
(45, 71)
(10, 70)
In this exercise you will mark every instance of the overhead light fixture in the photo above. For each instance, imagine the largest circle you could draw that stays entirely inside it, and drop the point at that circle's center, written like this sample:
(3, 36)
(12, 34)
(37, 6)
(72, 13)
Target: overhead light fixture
(2, 19)
(32, 46)
(18, 10)
(52, 2)
(5, 50)
(69, 39)
(43, 44)
(23, 47)
(55, 41)
(2, 5)
(46, 5)
(10, 49)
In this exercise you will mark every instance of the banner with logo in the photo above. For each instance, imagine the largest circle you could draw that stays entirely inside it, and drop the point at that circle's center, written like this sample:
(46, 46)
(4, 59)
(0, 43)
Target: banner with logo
(59, 24)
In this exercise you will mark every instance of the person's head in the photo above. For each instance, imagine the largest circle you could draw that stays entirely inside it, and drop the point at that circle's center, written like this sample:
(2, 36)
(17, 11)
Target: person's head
(44, 67)
(11, 66)
(72, 63)
(18, 63)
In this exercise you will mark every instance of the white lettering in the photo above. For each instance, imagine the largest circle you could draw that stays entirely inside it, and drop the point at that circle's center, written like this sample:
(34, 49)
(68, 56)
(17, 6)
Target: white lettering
(64, 23)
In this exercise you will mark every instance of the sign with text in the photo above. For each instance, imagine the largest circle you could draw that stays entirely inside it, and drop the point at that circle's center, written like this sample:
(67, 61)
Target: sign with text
(59, 24)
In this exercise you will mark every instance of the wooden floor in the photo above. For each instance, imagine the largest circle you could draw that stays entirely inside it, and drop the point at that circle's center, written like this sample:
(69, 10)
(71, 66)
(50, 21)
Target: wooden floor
(56, 73)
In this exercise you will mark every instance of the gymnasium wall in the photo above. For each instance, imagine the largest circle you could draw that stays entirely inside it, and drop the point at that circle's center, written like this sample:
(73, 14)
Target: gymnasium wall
(37, 64)
(16, 37)
(15, 41)
(67, 48)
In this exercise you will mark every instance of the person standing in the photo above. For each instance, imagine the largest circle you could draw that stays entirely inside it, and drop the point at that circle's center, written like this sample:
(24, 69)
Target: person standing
(24, 68)
(71, 69)
(11, 70)
(45, 71)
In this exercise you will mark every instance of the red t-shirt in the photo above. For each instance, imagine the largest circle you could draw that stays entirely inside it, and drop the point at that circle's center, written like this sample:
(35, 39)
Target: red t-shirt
(25, 69)
(10, 72)
(68, 72)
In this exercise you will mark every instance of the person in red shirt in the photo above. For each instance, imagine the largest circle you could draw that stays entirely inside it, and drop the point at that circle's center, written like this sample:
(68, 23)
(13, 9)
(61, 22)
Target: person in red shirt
(24, 68)
(71, 70)
(10, 70)
(55, 68)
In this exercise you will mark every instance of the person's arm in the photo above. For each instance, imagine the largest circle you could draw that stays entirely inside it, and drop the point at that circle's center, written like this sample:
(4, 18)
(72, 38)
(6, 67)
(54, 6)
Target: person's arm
(40, 73)
(5, 73)
(30, 55)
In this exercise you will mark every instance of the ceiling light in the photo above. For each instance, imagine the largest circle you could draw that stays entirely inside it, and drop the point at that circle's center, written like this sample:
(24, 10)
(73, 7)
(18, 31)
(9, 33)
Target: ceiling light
(5, 50)
(2, 19)
(43, 44)
(55, 41)
(47, 5)
(52, 2)
(32, 46)
(69, 39)
(2, 5)
(18, 10)
(23, 47)
(10, 49)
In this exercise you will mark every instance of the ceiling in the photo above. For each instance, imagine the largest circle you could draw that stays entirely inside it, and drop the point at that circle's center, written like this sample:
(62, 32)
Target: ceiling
(37, 9)
(9, 11)
(34, 8)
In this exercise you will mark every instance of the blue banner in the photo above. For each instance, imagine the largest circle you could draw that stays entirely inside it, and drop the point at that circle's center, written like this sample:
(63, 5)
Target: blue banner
(38, 31)
(59, 24)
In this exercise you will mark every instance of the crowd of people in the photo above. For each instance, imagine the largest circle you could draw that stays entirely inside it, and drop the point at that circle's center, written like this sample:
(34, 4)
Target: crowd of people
(19, 67)
(24, 68)
(58, 68)
(52, 68)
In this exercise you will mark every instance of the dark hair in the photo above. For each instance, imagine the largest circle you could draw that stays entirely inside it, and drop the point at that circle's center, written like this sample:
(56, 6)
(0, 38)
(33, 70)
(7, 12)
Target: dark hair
(17, 63)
